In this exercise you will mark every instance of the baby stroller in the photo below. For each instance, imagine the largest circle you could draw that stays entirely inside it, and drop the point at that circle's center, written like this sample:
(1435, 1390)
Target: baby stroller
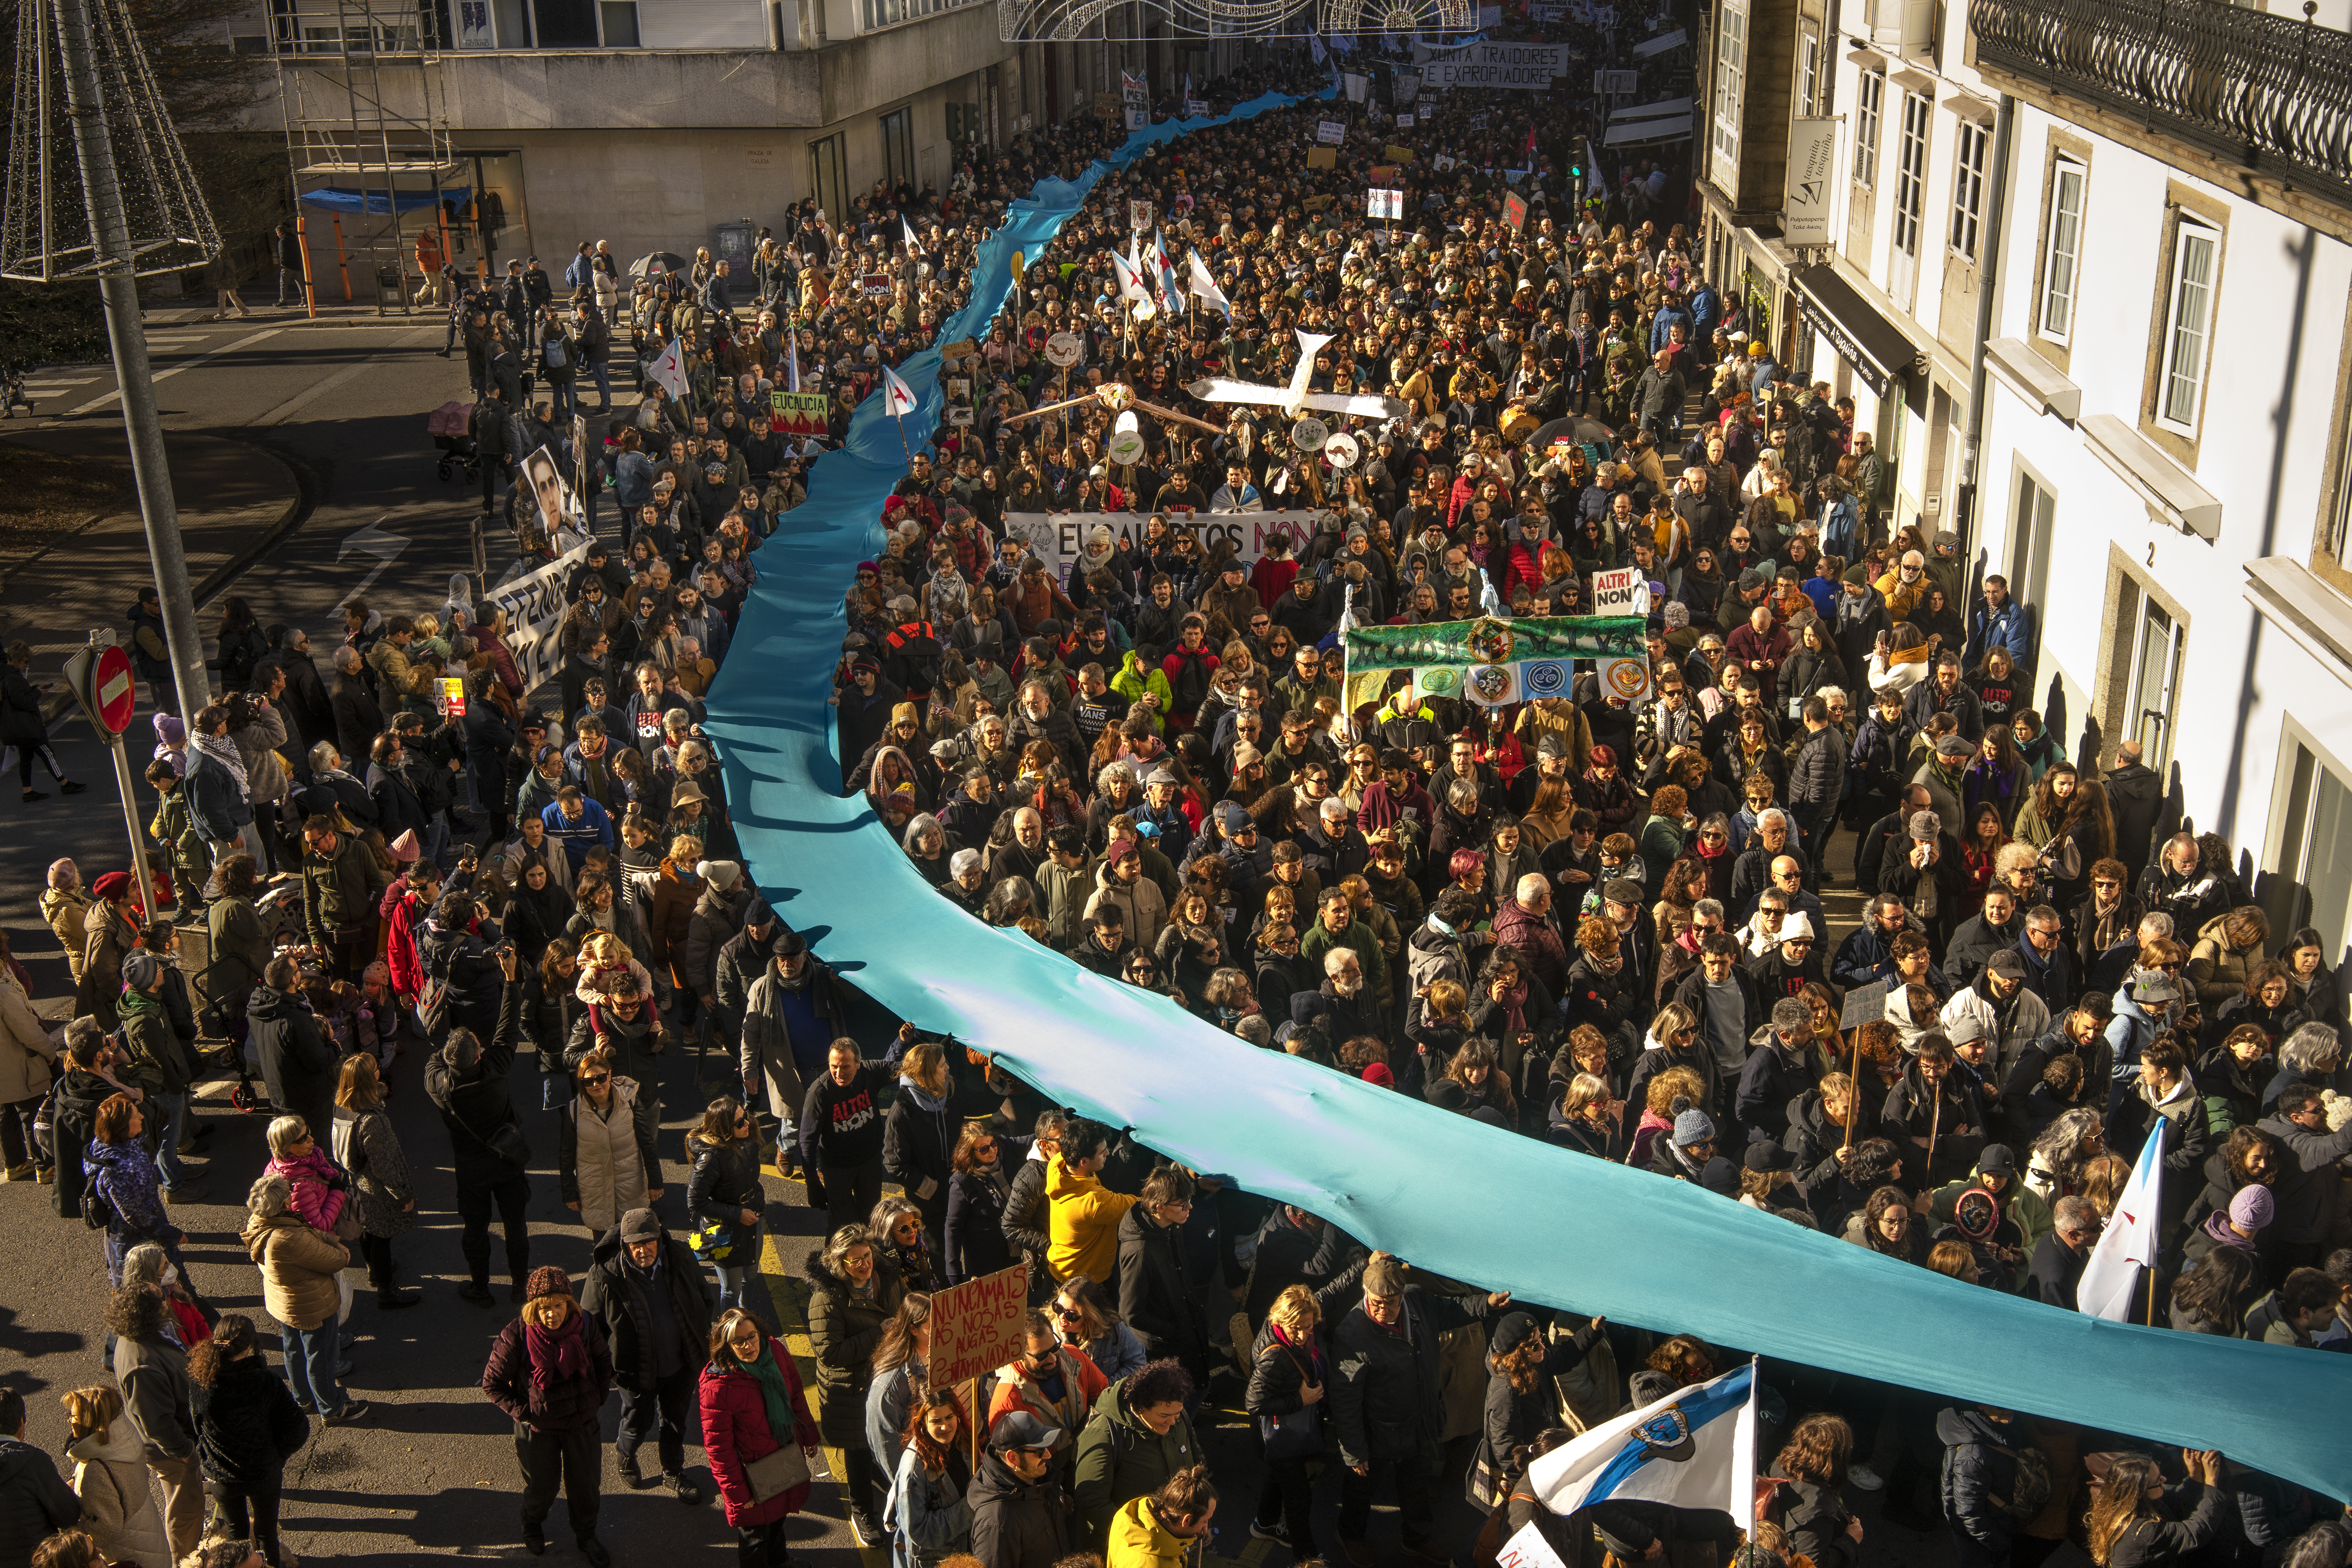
(451, 425)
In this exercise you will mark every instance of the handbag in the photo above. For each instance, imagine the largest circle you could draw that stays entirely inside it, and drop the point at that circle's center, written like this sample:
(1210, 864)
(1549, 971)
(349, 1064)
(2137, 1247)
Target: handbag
(777, 1472)
(1295, 1434)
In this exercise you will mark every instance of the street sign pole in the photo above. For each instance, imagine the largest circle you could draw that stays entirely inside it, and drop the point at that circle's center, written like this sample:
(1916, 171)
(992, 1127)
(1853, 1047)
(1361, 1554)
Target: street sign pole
(92, 673)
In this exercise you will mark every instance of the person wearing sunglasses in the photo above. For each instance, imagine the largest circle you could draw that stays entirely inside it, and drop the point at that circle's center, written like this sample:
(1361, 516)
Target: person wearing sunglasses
(606, 1161)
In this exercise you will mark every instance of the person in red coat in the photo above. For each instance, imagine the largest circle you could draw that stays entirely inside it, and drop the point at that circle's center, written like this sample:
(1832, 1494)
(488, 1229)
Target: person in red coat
(751, 1391)
(550, 1370)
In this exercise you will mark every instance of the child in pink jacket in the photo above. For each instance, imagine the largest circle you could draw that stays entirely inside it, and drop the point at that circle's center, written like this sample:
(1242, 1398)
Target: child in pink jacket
(319, 1184)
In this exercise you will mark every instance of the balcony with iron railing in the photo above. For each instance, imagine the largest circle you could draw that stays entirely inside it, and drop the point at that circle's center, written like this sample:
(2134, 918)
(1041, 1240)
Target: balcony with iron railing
(2271, 95)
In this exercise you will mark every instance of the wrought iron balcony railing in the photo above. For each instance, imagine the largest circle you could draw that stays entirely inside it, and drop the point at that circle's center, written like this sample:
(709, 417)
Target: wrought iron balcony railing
(2263, 92)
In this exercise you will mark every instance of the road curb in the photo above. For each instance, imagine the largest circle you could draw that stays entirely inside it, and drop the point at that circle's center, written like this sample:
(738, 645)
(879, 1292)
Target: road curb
(288, 517)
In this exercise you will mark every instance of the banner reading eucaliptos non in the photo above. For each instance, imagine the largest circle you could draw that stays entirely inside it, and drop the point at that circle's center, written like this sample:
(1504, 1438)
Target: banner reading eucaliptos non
(535, 604)
(1060, 538)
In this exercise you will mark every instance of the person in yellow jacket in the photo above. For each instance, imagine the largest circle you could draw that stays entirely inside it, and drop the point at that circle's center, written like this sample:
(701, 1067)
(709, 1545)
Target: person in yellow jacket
(1083, 1216)
(1168, 1529)
(1906, 586)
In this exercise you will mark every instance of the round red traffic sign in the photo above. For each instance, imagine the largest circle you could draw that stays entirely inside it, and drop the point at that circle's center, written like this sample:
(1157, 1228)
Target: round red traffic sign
(111, 685)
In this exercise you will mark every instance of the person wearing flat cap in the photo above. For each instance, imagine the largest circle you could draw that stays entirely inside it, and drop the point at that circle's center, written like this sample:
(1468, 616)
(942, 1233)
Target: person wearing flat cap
(1388, 1412)
(648, 1294)
(1924, 868)
(1944, 775)
(791, 1014)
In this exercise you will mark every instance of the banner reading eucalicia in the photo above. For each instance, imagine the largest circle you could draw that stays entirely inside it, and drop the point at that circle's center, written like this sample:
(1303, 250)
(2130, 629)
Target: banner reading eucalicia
(797, 412)
(1491, 662)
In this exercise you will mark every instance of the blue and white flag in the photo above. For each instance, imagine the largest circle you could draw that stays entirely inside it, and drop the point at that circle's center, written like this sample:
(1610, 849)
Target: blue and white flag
(913, 245)
(1204, 284)
(793, 361)
(1695, 1448)
(899, 398)
(1315, 43)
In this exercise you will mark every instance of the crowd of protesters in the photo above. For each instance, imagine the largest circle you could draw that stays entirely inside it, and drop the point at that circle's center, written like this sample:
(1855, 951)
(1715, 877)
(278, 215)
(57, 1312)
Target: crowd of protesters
(1580, 919)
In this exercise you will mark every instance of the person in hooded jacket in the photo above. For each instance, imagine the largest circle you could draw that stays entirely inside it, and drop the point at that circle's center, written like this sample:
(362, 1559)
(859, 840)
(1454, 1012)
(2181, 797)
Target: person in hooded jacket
(920, 1133)
(793, 1013)
(92, 1071)
(853, 1292)
(1156, 1294)
(247, 1426)
(118, 1509)
(466, 1082)
(549, 1371)
(1981, 1472)
(648, 1294)
(1020, 1513)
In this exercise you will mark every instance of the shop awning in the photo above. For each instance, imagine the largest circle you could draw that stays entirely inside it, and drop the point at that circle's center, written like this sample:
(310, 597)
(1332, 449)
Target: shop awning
(1661, 44)
(1877, 348)
(1636, 132)
(1650, 110)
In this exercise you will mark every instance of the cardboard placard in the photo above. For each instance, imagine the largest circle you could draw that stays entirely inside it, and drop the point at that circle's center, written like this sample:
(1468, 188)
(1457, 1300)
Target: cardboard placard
(1108, 106)
(1515, 210)
(1864, 1004)
(1528, 1549)
(1386, 204)
(1396, 154)
(963, 347)
(1322, 157)
(1330, 133)
(797, 412)
(1385, 175)
(453, 696)
(976, 1326)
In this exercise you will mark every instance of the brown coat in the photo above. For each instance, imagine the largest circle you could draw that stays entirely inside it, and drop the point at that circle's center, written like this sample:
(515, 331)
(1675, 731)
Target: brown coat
(66, 910)
(26, 1052)
(669, 919)
(298, 1266)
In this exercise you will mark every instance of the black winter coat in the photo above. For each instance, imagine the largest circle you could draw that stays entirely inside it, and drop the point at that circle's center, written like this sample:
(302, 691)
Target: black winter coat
(474, 1104)
(614, 1300)
(1979, 1476)
(1025, 1217)
(1155, 1292)
(1318, 1254)
(2154, 1540)
(35, 1501)
(248, 1423)
(1814, 1518)
(1017, 1523)
(298, 1064)
(975, 1239)
(564, 1404)
(1386, 1405)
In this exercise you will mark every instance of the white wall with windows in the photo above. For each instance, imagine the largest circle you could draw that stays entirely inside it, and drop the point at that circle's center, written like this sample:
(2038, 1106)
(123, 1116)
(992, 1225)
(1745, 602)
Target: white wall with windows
(2204, 334)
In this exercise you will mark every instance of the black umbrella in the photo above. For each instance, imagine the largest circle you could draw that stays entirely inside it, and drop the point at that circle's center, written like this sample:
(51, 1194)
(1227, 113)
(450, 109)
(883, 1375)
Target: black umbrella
(660, 261)
(1572, 427)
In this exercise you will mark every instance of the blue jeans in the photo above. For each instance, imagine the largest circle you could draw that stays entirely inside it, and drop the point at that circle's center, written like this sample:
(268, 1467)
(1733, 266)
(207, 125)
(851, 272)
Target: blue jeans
(604, 383)
(311, 1356)
(559, 394)
(172, 1114)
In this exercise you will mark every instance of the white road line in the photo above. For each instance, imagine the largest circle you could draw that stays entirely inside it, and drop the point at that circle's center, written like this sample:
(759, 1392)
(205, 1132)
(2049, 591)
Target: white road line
(59, 385)
(302, 400)
(95, 403)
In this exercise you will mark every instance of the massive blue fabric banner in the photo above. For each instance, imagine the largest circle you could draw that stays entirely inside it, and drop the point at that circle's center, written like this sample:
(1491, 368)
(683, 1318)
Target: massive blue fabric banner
(1445, 1192)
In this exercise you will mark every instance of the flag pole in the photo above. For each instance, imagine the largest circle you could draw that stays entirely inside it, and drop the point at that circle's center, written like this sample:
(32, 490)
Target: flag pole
(1853, 1089)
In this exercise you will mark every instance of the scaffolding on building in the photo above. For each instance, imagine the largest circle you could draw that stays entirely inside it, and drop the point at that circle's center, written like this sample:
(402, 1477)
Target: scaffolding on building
(367, 147)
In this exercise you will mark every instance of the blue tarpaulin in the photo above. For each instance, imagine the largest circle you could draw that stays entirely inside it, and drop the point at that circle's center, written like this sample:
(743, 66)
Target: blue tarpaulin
(344, 200)
(1448, 1193)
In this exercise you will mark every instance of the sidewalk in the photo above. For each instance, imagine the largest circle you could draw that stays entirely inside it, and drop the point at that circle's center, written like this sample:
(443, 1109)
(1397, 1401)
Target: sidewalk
(234, 501)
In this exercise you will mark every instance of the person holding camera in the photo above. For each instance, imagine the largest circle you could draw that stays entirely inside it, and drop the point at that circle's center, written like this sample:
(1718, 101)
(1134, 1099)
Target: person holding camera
(488, 1153)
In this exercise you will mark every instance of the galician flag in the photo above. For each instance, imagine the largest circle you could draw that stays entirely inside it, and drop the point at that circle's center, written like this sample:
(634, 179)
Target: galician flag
(2111, 1279)
(897, 398)
(1172, 297)
(1131, 279)
(913, 244)
(1204, 284)
(791, 361)
(669, 370)
(1695, 1448)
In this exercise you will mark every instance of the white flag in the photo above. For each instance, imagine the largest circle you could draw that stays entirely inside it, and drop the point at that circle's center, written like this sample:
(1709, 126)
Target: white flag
(1205, 286)
(669, 370)
(1131, 279)
(908, 231)
(1694, 1448)
(2111, 1278)
(897, 398)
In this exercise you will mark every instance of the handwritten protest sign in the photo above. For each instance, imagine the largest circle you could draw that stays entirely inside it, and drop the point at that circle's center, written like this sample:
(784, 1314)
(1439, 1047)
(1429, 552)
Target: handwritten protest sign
(976, 1326)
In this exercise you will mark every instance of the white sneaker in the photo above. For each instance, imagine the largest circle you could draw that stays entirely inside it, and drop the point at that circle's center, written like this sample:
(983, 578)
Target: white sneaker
(1865, 1479)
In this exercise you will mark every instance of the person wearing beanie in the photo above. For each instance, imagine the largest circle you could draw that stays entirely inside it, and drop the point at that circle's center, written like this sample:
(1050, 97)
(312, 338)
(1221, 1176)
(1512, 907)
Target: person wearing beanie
(717, 917)
(1683, 1153)
(549, 1371)
(109, 931)
(1388, 1413)
(1923, 867)
(159, 1066)
(468, 1084)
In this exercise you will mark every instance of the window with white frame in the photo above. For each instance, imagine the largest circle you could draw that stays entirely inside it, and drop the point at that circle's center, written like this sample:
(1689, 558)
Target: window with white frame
(1910, 198)
(2314, 850)
(1968, 186)
(2030, 540)
(2188, 325)
(2063, 248)
(1869, 97)
(1809, 72)
(1730, 86)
